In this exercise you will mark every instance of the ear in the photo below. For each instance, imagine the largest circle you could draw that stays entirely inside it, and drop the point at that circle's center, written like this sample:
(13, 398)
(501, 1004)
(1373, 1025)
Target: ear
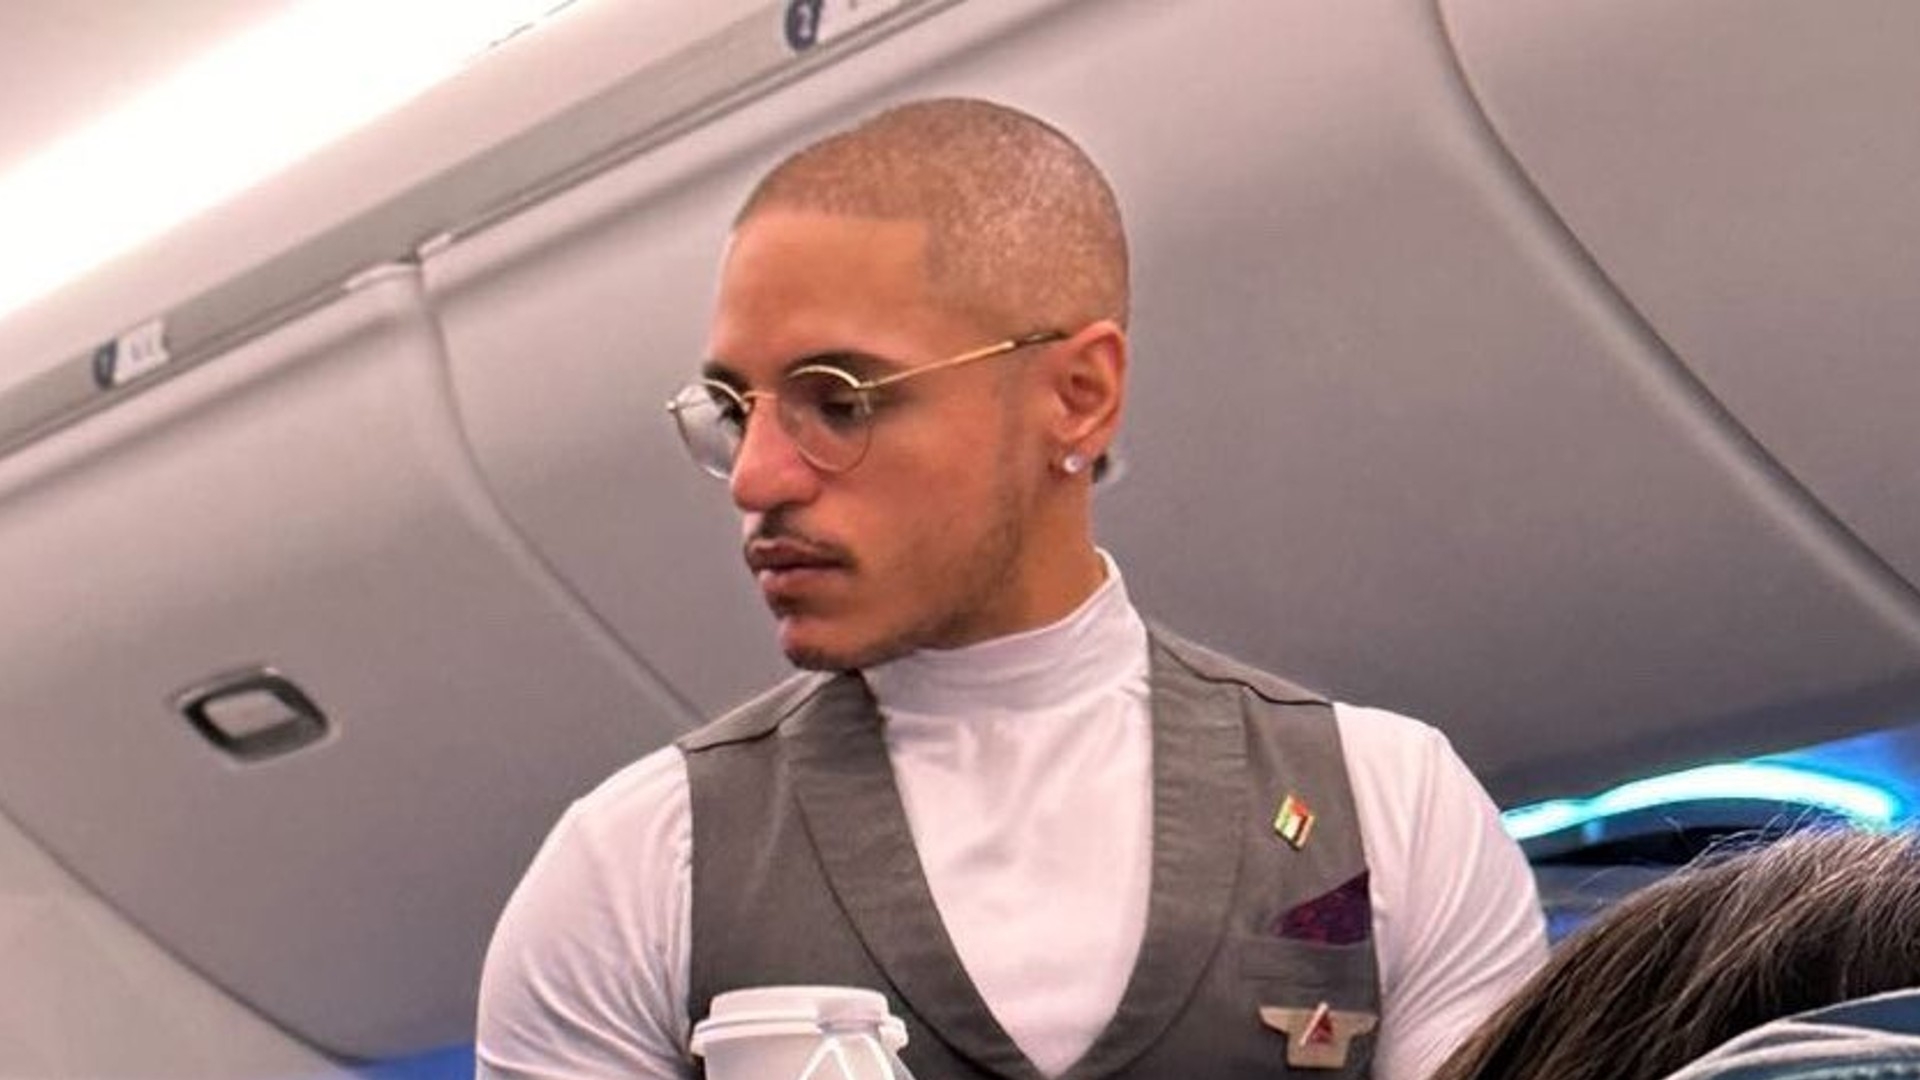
(1087, 390)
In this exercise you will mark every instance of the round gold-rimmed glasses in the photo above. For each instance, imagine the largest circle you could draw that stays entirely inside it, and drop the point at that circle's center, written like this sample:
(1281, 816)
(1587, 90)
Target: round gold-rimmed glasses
(826, 411)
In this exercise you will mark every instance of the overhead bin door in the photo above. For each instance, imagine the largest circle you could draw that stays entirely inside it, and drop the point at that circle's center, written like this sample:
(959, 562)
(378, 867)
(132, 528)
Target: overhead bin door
(1748, 172)
(567, 336)
(305, 507)
(1389, 433)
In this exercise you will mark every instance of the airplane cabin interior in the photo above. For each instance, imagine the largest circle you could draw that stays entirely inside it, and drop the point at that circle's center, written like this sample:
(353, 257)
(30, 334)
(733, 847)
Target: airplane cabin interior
(1543, 371)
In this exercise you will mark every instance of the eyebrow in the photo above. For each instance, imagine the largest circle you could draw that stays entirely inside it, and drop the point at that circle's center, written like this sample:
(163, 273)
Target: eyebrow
(720, 372)
(862, 366)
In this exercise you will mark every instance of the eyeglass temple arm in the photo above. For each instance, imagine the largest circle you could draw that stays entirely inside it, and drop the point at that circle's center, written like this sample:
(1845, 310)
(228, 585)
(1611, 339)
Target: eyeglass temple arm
(996, 349)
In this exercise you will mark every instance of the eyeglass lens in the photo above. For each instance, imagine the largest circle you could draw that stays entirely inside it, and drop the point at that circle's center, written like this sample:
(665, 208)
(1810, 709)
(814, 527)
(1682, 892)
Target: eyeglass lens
(823, 411)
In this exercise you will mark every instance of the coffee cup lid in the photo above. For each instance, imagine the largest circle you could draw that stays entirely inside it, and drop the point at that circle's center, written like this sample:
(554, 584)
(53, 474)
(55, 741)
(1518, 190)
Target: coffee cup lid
(796, 1010)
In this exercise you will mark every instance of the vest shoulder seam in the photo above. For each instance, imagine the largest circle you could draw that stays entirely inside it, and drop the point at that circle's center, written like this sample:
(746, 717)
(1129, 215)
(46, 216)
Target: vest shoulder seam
(1214, 667)
(759, 717)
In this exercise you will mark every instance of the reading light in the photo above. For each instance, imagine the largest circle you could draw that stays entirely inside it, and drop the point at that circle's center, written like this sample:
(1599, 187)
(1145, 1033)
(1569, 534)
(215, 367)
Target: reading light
(1862, 802)
(235, 115)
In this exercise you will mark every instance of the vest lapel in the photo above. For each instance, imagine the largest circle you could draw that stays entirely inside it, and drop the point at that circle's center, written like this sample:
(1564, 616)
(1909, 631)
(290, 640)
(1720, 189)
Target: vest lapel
(1199, 795)
(844, 784)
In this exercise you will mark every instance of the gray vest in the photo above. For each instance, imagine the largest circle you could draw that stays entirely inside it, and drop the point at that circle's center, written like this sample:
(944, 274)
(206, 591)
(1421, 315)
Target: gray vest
(804, 872)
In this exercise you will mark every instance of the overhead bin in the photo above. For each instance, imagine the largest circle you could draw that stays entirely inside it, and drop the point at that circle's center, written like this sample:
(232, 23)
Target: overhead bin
(1390, 432)
(303, 505)
(1748, 173)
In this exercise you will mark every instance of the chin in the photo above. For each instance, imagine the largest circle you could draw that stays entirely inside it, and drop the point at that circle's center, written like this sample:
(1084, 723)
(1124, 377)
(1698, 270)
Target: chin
(817, 651)
(812, 659)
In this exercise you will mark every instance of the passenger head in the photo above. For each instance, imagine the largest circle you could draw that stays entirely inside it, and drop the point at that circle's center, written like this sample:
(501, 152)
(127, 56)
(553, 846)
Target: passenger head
(950, 506)
(1720, 947)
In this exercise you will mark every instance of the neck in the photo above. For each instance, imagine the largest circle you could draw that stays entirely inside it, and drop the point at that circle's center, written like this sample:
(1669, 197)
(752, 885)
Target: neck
(1063, 578)
(1060, 565)
(1088, 648)
(1057, 569)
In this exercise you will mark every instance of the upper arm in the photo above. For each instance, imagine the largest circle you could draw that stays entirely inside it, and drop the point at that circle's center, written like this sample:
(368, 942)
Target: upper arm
(586, 973)
(1457, 918)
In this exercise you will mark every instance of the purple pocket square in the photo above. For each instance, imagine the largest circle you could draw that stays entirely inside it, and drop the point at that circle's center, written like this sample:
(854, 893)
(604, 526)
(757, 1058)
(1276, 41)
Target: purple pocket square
(1341, 917)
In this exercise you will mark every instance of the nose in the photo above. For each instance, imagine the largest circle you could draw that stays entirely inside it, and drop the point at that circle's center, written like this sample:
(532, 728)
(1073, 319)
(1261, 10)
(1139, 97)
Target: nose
(769, 472)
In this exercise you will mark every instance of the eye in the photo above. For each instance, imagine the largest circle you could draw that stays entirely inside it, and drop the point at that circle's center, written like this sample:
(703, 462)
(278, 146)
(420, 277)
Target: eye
(832, 397)
(729, 409)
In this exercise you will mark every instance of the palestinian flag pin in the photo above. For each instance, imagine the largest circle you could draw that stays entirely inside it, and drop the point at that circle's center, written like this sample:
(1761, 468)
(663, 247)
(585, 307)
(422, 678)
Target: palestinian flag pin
(1294, 821)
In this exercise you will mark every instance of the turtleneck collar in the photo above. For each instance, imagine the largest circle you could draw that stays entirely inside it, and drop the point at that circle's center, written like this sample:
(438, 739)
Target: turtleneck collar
(1100, 646)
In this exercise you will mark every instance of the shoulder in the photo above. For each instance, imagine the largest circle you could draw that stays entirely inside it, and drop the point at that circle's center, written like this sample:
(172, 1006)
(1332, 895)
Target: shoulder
(650, 790)
(1413, 793)
(1411, 788)
(758, 717)
(642, 811)
(1210, 666)
(621, 842)
(1384, 743)
(1875, 1036)
(1383, 748)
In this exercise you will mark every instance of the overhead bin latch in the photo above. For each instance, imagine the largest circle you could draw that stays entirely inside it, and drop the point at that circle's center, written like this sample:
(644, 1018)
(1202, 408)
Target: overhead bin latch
(253, 714)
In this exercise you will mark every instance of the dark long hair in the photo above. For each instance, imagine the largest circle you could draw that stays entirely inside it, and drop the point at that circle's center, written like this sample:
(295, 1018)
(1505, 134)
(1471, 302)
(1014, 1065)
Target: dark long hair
(1724, 945)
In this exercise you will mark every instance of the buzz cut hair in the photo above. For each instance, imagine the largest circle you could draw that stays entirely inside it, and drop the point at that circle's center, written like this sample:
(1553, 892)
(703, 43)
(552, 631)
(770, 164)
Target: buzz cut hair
(1023, 232)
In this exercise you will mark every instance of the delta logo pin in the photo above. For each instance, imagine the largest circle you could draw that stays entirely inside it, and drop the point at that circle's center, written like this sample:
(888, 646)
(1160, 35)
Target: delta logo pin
(1320, 1037)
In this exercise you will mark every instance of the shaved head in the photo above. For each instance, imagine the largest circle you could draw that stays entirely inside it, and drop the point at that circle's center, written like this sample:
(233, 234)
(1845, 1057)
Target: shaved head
(1023, 232)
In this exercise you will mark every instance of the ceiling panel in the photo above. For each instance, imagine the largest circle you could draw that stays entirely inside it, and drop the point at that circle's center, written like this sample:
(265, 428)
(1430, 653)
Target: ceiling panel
(61, 64)
(1748, 173)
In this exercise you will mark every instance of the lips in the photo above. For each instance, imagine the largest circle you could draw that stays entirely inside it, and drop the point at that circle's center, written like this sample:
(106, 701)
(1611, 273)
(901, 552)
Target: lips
(781, 555)
(782, 566)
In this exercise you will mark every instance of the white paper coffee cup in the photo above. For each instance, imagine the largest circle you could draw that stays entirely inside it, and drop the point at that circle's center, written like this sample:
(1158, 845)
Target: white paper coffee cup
(770, 1032)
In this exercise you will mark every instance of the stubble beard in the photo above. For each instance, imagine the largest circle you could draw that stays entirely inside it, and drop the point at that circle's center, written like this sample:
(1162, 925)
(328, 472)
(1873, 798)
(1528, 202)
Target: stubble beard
(976, 581)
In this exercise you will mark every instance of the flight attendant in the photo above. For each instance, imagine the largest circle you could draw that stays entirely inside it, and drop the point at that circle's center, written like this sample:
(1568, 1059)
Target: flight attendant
(1062, 840)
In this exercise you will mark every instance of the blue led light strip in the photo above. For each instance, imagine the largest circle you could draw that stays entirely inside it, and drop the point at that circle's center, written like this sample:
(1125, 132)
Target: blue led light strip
(1864, 803)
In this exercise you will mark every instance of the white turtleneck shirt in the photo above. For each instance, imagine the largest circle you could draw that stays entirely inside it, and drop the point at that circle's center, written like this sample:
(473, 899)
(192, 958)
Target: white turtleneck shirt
(1025, 768)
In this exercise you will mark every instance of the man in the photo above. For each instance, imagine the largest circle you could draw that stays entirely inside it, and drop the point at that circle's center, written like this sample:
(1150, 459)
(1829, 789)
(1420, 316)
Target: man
(1062, 843)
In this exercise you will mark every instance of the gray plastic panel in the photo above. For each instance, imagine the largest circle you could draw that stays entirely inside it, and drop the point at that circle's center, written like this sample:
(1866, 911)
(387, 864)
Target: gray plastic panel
(1748, 171)
(83, 994)
(1390, 433)
(306, 503)
(563, 353)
